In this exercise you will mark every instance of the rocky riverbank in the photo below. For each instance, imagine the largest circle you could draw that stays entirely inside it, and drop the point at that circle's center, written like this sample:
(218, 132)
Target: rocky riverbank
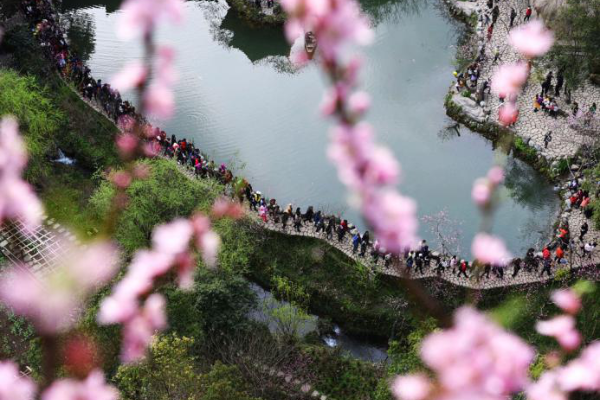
(560, 159)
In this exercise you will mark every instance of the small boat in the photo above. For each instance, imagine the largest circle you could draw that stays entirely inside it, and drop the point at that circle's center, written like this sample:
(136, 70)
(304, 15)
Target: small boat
(310, 44)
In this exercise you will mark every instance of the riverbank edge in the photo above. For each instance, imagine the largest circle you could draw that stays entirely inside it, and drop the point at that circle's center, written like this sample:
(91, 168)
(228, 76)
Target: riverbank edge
(255, 18)
(493, 131)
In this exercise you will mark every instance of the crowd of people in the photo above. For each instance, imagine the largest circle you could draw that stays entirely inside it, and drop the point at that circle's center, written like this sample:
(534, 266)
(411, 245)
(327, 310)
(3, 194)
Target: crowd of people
(45, 27)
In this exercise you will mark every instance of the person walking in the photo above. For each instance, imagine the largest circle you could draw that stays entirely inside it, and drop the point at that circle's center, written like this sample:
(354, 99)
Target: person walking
(516, 267)
(527, 14)
(453, 264)
(355, 242)
(588, 249)
(560, 253)
(419, 263)
(463, 269)
(560, 81)
(547, 139)
(513, 15)
(363, 247)
(583, 230)
(547, 264)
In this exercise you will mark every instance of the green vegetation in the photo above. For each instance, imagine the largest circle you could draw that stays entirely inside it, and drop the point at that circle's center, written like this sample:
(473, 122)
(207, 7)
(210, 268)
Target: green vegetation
(578, 50)
(526, 152)
(171, 372)
(248, 11)
(39, 120)
(334, 284)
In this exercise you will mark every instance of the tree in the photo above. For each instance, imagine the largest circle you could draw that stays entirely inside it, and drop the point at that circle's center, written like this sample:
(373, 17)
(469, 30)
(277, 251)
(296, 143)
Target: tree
(163, 196)
(223, 301)
(168, 373)
(577, 51)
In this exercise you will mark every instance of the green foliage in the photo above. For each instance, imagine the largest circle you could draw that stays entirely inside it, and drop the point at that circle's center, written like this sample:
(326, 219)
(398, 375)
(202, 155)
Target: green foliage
(38, 118)
(509, 313)
(328, 277)
(85, 135)
(223, 301)
(289, 291)
(168, 373)
(248, 11)
(18, 340)
(578, 50)
(224, 382)
(165, 195)
(527, 152)
(342, 377)
(404, 355)
(66, 192)
(561, 276)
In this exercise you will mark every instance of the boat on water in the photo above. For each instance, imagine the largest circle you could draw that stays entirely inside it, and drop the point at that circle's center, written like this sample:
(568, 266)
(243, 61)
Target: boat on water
(310, 43)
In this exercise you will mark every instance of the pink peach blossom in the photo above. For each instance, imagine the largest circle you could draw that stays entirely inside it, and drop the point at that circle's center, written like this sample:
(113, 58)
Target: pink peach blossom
(359, 103)
(496, 175)
(121, 179)
(482, 192)
(489, 249)
(411, 387)
(508, 114)
(546, 388)
(159, 100)
(52, 303)
(127, 143)
(14, 386)
(173, 237)
(509, 78)
(209, 244)
(94, 387)
(562, 328)
(393, 217)
(139, 17)
(224, 207)
(532, 39)
(476, 359)
(130, 77)
(567, 300)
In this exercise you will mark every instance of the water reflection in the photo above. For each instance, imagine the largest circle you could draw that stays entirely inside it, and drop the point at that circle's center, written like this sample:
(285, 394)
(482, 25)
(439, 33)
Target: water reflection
(255, 43)
(234, 101)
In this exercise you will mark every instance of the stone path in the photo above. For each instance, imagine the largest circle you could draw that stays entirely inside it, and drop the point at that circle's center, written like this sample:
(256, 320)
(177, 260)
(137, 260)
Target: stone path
(531, 126)
(379, 267)
(44, 235)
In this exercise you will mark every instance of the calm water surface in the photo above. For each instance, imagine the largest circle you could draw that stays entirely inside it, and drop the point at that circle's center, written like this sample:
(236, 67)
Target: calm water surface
(240, 101)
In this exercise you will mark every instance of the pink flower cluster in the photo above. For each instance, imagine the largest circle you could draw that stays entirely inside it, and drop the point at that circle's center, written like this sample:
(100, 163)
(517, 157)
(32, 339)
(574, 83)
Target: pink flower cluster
(94, 387)
(335, 23)
(140, 17)
(159, 99)
(489, 249)
(13, 386)
(531, 40)
(475, 359)
(580, 374)
(369, 170)
(18, 199)
(562, 327)
(53, 302)
(131, 302)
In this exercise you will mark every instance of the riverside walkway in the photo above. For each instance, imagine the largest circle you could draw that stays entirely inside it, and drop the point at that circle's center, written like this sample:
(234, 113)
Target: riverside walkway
(531, 127)
(45, 239)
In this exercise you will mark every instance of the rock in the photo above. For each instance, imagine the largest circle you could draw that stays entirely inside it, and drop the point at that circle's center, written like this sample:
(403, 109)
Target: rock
(575, 167)
(469, 107)
(466, 7)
